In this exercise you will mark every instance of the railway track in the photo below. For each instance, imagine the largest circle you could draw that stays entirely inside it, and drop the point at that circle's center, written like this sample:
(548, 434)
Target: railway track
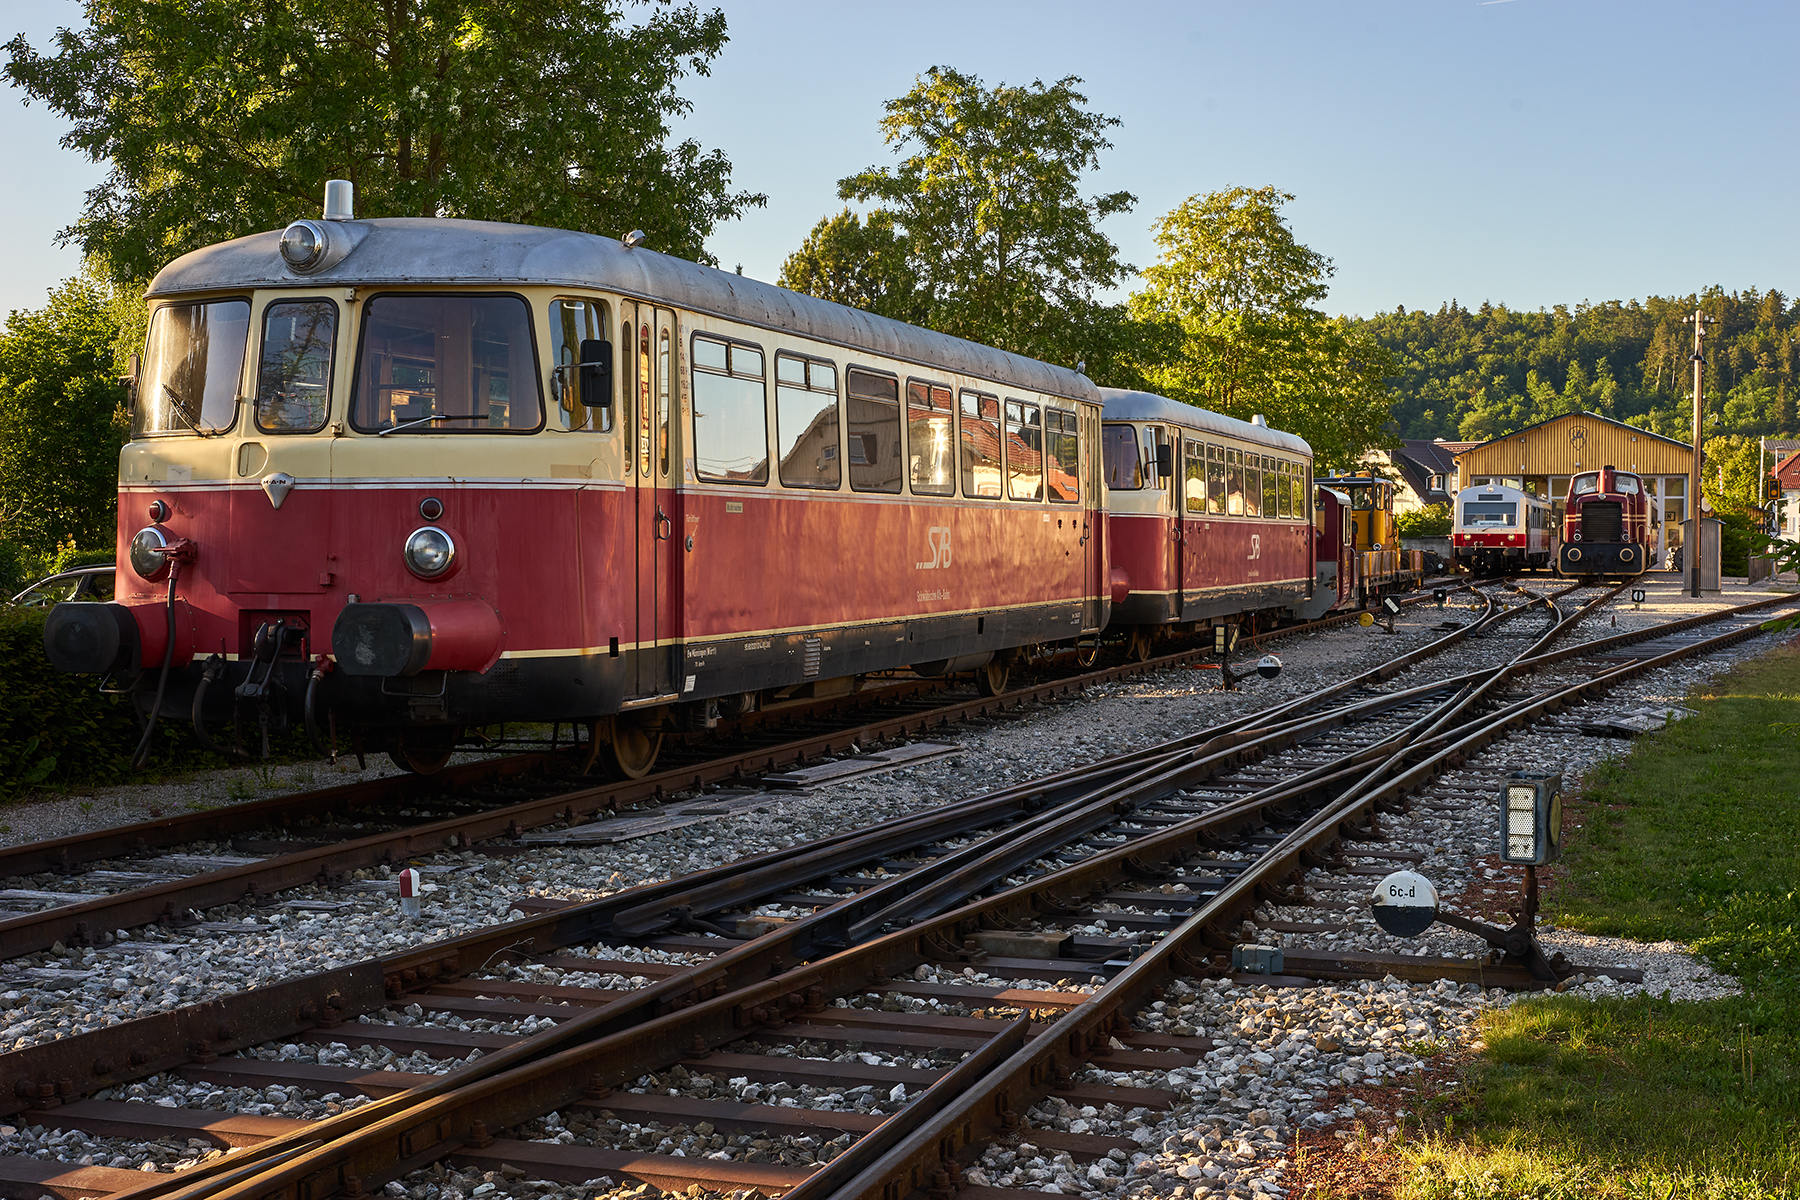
(1173, 849)
(80, 890)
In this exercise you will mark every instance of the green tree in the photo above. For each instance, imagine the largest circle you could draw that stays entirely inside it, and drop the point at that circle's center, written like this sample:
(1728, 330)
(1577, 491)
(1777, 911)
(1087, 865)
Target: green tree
(62, 424)
(1232, 300)
(1001, 246)
(224, 118)
(862, 263)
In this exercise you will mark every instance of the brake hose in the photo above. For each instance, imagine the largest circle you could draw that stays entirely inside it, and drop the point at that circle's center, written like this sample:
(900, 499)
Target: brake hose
(142, 753)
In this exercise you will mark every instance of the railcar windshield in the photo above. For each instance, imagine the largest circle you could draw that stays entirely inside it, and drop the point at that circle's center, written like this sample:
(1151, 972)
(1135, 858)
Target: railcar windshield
(446, 364)
(1490, 513)
(293, 378)
(1119, 451)
(193, 366)
(1627, 484)
(1584, 485)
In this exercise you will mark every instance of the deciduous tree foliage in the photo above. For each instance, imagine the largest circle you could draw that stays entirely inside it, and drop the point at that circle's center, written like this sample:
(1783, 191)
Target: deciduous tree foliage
(224, 117)
(1231, 299)
(862, 263)
(62, 424)
(1000, 246)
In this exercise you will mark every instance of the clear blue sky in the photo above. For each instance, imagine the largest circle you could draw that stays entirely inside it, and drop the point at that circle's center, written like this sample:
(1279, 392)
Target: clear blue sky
(1530, 152)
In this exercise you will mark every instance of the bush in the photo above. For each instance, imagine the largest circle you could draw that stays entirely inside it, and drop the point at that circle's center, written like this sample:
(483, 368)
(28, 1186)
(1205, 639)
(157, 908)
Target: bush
(58, 729)
(1431, 521)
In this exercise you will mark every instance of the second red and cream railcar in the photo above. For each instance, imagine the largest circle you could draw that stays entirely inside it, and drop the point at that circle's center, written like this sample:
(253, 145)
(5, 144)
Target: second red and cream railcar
(411, 476)
(1209, 517)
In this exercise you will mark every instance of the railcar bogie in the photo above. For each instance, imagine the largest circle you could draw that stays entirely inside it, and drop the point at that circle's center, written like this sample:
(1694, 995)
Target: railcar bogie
(463, 473)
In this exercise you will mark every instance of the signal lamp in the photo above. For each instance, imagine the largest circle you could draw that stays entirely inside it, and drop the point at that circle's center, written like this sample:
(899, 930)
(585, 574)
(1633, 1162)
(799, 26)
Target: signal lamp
(1531, 818)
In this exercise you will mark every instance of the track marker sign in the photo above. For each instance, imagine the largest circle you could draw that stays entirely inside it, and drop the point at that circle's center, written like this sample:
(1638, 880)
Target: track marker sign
(1405, 903)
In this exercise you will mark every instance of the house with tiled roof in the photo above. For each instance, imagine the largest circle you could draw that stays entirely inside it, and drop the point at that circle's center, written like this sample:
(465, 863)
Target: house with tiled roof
(1787, 472)
(1424, 472)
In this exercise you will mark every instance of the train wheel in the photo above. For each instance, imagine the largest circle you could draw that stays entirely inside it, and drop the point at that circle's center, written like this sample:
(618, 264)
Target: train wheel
(991, 679)
(425, 750)
(633, 743)
(1141, 646)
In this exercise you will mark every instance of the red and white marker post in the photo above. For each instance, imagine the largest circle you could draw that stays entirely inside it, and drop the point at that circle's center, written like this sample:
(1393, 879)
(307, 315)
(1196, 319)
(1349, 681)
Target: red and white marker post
(410, 892)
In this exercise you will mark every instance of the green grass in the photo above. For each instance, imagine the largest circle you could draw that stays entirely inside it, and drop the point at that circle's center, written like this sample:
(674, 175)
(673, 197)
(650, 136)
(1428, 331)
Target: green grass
(1694, 837)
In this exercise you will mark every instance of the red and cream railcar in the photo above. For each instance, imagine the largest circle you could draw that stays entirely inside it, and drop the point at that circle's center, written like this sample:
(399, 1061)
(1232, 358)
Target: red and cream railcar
(422, 475)
(1606, 526)
(1208, 515)
(1500, 529)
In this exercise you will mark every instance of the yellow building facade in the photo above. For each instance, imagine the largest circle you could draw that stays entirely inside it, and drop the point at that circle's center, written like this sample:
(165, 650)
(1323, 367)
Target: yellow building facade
(1542, 458)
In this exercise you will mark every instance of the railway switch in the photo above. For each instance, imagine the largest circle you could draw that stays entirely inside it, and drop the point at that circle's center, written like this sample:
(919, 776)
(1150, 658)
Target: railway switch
(1531, 818)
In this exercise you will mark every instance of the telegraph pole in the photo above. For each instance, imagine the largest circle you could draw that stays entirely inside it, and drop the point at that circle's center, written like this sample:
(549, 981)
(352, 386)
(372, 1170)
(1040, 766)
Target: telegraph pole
(1699, 321)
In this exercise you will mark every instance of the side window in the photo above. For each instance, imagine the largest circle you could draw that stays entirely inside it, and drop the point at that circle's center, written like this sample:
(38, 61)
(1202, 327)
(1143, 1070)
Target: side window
(1194, 487)
(930, 438)
(806, 422)
(571, 323)
(1215, 479)
(1024, 451)
(1234, 483)
(873, 416)
(1287, 489)
(979, 429)
(1119, 453)
(1269, 484)
(731, 438)
(293, 379)
(1063, 459)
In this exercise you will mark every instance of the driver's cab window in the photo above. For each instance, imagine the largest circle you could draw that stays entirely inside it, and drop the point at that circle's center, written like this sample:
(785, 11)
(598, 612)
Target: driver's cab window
(571, 323)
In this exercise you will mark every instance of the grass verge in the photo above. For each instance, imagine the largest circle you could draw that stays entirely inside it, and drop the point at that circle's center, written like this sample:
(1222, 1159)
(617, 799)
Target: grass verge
(1694, 837)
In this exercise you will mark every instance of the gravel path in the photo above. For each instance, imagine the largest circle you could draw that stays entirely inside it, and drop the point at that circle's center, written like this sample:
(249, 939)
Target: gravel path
(1287, 1059)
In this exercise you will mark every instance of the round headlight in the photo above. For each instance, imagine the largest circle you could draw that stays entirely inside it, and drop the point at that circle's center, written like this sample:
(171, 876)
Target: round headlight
(429, 552)
(144, 557)
(303, 245)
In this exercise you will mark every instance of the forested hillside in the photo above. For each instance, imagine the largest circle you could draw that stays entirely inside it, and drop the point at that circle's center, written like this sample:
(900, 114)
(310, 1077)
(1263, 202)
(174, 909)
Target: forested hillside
(1469, 374)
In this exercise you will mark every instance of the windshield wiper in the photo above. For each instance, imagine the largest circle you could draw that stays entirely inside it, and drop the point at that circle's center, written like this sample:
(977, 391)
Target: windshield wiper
(179, 407)
(428, 420)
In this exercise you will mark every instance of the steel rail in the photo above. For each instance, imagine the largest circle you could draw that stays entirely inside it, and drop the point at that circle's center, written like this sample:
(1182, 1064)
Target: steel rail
(88, 920)
(146, 1045)
(420, 1134)
(928, 1155)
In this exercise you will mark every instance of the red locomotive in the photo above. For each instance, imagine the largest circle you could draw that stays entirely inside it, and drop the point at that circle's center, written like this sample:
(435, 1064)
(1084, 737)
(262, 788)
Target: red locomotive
(1606, 526)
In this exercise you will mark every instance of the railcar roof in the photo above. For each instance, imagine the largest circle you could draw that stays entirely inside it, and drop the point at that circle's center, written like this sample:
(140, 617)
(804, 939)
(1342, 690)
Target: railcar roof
(1498, 489)
(1123, 405)
(418, 250)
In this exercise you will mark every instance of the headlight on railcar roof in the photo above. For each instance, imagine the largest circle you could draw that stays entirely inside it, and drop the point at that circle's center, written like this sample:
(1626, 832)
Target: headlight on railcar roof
(145, 559)
(429, 552)
(303, 244)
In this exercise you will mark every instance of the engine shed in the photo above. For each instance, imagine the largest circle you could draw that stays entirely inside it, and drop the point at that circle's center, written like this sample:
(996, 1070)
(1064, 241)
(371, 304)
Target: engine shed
(1542, 458)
